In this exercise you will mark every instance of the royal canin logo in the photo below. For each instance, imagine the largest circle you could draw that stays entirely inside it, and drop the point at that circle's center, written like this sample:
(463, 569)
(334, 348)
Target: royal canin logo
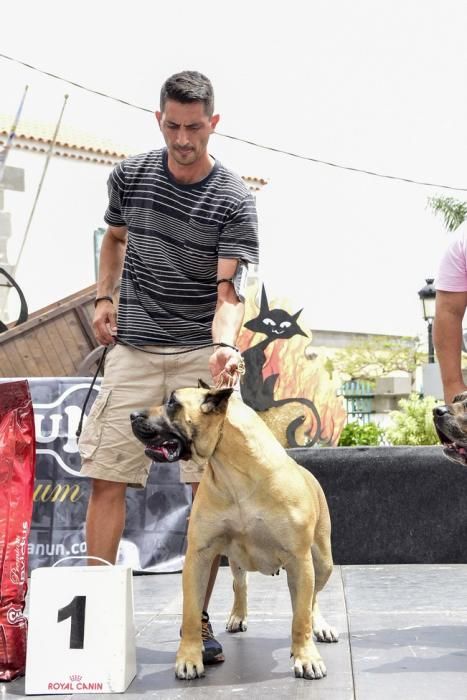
(74, 683)
(18, 572)
(15, 616)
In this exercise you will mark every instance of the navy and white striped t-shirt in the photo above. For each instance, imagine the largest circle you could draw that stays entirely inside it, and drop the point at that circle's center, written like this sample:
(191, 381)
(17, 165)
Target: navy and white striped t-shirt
(176, 233)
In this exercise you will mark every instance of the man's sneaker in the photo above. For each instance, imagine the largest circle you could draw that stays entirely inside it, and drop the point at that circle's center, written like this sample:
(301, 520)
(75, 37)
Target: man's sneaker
(212, 650)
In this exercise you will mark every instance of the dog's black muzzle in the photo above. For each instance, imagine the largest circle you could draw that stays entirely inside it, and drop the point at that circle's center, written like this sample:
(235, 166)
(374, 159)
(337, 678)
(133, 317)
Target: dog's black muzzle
(163, 441)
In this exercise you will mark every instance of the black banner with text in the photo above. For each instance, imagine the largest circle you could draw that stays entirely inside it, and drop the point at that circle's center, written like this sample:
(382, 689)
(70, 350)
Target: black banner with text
(155, 533)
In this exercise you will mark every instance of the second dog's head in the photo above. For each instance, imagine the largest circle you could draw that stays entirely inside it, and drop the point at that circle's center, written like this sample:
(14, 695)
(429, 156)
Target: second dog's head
(187, 426)
(451, 425)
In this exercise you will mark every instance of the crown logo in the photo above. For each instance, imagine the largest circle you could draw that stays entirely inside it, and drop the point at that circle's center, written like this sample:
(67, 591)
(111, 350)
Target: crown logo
(75, 678)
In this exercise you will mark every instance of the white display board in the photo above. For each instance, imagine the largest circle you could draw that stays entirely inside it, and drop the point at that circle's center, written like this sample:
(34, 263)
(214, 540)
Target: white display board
(81, 635)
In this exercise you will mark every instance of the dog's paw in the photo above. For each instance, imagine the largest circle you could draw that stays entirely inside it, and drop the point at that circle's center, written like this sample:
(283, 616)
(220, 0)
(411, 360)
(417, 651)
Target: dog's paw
(311, 668)
(325, 633)
(236, 623)
(189, 666)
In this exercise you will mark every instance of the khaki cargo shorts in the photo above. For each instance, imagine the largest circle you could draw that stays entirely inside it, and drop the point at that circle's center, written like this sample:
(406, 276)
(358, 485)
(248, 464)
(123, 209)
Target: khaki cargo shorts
(135, 380)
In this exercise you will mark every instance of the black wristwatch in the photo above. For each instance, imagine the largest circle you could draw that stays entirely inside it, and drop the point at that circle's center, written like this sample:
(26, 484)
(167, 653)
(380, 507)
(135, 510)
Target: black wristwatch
(98, 299)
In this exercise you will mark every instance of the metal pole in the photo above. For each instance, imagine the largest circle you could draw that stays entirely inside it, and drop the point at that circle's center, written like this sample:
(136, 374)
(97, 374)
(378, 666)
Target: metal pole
(14, 267)
(11, 136)
(44, 172)
(431, 350)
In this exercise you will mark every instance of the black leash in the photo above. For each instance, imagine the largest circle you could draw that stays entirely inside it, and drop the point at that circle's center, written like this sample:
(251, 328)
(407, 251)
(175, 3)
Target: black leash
(120, 341)
(101, 362)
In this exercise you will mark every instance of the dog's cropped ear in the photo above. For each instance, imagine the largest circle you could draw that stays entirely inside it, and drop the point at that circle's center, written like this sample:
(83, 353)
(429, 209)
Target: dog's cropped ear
(216, 401)
(202, 384)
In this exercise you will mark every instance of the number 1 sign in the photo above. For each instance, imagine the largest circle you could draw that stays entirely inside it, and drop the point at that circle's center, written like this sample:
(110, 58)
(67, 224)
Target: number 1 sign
(81, 632)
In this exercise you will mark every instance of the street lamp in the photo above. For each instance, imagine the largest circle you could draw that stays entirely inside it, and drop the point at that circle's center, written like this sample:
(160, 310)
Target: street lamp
(428, 296)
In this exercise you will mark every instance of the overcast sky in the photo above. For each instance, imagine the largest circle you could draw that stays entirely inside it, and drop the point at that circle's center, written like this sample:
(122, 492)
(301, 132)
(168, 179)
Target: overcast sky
(373, 85)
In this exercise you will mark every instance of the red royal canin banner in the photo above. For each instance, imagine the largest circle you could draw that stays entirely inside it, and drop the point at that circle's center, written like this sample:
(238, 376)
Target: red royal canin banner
(17, 464)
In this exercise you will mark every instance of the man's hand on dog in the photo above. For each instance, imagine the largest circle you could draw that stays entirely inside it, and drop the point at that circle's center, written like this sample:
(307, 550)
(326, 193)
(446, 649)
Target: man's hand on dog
(105, 322)
(225, 365)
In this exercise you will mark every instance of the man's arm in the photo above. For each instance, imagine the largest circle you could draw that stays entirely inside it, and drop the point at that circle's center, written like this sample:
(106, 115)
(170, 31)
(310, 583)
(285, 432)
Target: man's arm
(227, 322)
(110, 270)
(447, 337)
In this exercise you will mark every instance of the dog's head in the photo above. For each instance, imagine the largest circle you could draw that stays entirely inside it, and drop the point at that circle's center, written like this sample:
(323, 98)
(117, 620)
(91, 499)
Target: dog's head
(187, 426)
(451, 425)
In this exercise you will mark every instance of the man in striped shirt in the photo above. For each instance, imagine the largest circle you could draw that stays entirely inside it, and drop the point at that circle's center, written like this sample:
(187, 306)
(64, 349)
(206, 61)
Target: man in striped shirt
(179, 226)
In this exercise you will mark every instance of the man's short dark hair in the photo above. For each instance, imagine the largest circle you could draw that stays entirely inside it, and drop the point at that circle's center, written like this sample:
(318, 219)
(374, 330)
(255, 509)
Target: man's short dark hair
(188, 86)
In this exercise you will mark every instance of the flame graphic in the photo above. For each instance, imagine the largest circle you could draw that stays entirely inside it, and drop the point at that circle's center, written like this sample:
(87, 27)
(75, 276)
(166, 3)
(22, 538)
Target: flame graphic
(298, 377)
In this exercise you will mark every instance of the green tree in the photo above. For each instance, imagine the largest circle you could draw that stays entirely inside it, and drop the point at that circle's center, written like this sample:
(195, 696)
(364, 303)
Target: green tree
(413, 423)
(356, 434)
(378, 356)
(452, 210)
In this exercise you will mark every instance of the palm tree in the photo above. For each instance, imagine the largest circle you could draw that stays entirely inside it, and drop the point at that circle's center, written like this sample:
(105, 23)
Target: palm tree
(453, 211)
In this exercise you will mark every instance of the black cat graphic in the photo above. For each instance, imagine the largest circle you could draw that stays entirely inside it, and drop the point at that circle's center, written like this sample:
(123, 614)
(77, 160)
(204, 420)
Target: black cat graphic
(259, 393)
